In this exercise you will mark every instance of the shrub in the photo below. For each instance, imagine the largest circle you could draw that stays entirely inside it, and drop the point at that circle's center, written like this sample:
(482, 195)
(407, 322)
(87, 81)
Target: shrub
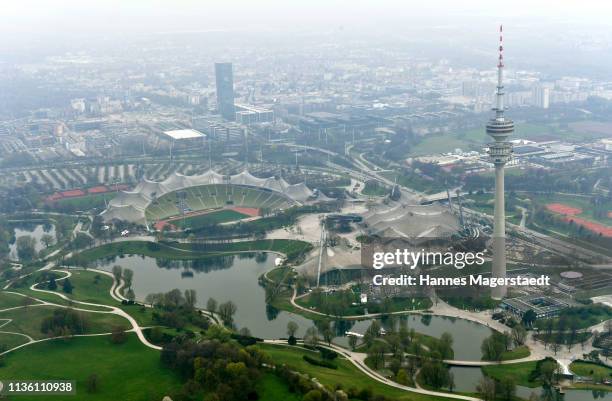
(327, 353)
(321, 363)
(118, 335)
(245, 340)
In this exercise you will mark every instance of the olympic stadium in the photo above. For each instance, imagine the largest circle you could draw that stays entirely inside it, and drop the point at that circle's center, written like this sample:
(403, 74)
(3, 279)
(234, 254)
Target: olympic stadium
(152, 201)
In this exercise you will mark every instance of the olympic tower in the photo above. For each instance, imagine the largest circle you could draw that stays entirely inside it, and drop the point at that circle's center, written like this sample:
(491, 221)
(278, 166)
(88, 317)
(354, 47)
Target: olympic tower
(500, 151)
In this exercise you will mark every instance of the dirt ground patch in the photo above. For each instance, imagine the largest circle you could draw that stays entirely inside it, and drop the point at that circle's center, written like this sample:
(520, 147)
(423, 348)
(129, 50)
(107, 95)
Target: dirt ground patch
(571, 215)
(249, 211)
(565, 210)
(591, 226)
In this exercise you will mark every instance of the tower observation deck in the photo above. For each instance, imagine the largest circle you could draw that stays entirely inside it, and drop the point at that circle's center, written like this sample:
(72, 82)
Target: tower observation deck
(500, 151)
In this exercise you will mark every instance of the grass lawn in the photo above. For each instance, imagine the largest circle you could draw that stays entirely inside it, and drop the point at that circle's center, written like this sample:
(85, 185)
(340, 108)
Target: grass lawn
(8, 300)
(144, 317)
(8, 341)
(346, 374)
(126, 372)
(373, 188)
(415, 181)
(272, 388)
(86, 202)
(484, 203)
(171, 250)
(280, 274)
(476, 138)
(584, 316)
(433, 144)
(398, 304)
(45, 296)
(28, 321)
(519, 372)
(90, 286)
(23, 287)
(517, 353)
(286, 246)
(216, 217)
(283, 302)
(587, 369)
(88, 290)
(426, 342)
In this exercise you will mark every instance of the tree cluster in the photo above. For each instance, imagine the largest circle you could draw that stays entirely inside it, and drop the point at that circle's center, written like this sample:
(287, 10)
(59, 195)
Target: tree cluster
(222, 370)
(64, 322)
(175, 309)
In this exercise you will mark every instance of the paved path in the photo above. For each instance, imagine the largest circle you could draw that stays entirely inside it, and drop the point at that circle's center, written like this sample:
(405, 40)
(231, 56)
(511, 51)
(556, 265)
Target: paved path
(358, 359)
(111, 310)
(114, 310)
(294, 296)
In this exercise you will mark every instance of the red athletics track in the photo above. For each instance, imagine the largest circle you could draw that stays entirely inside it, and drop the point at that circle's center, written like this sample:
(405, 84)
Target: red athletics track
(571, 213)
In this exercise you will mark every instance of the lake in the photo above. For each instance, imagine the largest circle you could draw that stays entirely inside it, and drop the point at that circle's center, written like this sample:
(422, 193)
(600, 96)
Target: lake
(232, 277)
(235, 278)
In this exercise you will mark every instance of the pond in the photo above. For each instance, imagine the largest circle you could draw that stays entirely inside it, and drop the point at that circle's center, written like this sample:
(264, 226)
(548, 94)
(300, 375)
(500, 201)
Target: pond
(467, 336)
(35, 230)
(235, 278)
(467, 378)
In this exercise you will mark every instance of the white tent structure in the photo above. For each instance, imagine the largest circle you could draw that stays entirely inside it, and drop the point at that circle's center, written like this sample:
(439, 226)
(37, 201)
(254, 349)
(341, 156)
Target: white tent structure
(412, 221)
(151, 189)
(131, 205)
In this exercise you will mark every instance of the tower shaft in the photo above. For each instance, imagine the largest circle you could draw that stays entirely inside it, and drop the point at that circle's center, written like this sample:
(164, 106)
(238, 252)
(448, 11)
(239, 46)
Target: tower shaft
(499, 233)
(500, 151)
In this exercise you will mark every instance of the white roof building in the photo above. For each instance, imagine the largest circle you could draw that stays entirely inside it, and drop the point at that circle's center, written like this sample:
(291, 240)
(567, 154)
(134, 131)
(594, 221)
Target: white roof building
(179, 134)
(131, 205)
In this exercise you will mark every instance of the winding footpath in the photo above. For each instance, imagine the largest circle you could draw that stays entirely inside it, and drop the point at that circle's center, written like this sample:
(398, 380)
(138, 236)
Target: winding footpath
(135, 327)
(440, 308)
(358, 360)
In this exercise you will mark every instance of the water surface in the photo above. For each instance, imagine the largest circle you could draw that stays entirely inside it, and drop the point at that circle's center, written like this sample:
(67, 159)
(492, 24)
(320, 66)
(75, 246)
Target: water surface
(235, 278)
(33, 230)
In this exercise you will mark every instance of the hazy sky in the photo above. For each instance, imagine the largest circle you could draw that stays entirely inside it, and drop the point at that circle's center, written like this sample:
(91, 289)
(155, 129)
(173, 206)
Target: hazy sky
(40, 16)
(563, 36)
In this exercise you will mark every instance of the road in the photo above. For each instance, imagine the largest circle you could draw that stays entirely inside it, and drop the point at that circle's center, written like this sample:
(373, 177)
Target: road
(551, 243)
(546, 241)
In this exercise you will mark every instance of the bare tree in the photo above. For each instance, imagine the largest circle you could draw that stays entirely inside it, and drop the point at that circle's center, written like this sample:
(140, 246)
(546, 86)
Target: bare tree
(311, 338)
(117, 272)
(190, 298)
(486, 389)
(211, 305)
(128, 276)
(292, 328)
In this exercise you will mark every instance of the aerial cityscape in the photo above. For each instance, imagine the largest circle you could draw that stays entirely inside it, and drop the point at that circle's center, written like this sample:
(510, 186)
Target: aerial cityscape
(335, 201)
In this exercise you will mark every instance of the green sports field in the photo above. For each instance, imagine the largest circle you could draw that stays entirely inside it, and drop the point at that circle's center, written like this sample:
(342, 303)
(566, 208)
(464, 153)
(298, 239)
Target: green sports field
(216, 217)
(215, 196)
